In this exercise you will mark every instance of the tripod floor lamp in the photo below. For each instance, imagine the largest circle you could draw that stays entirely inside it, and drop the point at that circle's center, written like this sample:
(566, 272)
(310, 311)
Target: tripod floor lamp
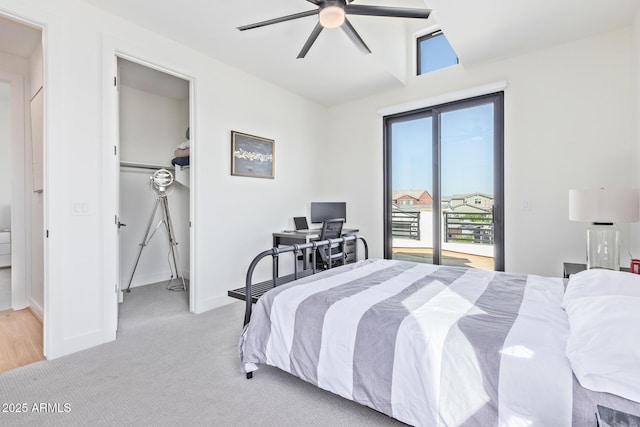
(161, 180)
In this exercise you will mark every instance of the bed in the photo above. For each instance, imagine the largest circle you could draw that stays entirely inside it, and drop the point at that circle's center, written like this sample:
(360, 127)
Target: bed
(450, 346)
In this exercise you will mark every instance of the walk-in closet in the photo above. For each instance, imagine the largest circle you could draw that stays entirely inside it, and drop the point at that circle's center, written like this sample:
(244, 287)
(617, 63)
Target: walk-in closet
(154, 138)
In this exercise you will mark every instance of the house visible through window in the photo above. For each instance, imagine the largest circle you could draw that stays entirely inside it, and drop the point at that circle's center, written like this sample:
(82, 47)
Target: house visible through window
(434, 52)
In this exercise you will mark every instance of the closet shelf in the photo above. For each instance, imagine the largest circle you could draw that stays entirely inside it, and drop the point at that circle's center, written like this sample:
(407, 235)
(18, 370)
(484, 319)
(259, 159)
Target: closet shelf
(180, 173)
(149, 166)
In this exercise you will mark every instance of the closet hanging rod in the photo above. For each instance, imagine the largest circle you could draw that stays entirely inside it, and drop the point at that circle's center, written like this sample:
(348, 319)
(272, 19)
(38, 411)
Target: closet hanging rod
(144, 166)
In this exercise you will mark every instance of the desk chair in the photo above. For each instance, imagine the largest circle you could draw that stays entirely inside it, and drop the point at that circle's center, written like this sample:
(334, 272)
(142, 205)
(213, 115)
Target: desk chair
(332, 255)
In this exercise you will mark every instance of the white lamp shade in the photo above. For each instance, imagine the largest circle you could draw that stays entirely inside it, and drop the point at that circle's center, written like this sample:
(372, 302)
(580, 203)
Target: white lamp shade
(604, 205)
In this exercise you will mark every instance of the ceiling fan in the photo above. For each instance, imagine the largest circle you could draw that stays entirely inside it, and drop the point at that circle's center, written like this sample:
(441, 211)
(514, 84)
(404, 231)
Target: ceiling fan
(332, 14)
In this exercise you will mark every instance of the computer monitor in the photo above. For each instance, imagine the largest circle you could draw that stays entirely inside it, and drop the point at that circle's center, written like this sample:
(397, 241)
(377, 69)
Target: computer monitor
(322, 211)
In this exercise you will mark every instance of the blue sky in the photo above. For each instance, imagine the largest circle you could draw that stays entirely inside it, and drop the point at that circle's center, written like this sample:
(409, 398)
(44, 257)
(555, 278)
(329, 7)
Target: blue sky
(436, 53)
(466, 157)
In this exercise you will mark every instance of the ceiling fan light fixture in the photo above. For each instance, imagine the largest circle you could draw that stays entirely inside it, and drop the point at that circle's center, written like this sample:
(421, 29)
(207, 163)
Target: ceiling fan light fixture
(332, 16)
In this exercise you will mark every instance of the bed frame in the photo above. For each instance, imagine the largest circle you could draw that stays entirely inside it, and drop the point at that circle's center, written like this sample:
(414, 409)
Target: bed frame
(256, 290)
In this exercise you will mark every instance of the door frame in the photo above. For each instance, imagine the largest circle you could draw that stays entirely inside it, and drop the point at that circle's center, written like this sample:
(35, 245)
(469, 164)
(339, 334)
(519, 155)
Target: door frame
(434, 111)
(112, 49)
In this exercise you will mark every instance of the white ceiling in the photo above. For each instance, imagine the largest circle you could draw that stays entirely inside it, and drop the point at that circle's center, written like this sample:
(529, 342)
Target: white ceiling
(481, 31)
(335, 71)
(150, 80)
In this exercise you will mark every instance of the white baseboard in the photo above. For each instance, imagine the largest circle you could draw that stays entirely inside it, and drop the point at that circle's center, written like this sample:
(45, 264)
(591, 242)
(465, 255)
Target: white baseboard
(215, 302)
(147, 279)
(62, 346)
(36, 309)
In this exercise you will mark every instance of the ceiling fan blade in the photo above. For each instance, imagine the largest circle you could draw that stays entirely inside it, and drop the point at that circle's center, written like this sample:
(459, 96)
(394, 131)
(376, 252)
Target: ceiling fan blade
(278, 20)
(316, 2)
(312, 38)
(354, 36)
(393, 12)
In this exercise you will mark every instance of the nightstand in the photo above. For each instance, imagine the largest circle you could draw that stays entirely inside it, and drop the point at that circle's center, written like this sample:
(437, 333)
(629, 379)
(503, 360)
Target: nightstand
(569, 268)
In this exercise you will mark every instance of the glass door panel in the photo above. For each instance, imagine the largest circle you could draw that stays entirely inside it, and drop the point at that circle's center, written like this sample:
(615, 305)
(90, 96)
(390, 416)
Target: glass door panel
(444, 184)
(412, 189)
(467, 186)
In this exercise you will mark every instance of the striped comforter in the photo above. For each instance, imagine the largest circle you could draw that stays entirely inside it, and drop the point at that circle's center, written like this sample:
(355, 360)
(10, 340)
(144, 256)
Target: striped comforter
(428, 345)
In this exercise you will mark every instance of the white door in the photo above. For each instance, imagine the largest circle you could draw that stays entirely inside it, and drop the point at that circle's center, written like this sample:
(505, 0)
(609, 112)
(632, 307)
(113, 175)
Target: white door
(116, 152)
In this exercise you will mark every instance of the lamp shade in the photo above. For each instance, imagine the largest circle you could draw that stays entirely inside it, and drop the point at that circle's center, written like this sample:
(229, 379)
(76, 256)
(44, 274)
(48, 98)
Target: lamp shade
(161, 179)
(331, 16)
(604, 205)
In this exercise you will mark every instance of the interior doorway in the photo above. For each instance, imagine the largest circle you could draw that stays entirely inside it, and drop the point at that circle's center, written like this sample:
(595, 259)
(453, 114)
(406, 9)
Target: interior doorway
(21, 192)
(154, 136)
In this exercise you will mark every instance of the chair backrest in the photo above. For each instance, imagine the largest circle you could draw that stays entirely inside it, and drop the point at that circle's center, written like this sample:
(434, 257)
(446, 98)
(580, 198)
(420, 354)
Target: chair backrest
(331, 229)
(301, 222)
(332, 254)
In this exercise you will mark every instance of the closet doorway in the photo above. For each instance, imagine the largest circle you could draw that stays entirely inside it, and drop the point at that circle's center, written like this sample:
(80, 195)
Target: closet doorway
(153, 218)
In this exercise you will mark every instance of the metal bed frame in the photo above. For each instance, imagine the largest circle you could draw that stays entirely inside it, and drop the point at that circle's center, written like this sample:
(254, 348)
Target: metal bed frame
(255, 291)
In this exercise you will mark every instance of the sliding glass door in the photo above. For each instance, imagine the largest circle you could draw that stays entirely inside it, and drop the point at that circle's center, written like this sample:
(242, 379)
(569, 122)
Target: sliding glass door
(444, 184)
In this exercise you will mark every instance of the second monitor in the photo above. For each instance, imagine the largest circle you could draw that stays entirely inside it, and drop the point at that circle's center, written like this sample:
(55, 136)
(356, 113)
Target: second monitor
(322, 211)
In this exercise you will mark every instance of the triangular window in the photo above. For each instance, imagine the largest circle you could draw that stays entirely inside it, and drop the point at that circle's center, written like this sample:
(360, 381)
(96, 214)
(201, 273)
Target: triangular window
(434, 52)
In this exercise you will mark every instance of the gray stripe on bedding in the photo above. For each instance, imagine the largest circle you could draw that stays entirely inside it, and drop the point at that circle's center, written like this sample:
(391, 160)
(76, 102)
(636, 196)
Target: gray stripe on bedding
(273, 293)
(257, 343)
(372, 383)
(487, 332)
(307, 337)
(584, 409)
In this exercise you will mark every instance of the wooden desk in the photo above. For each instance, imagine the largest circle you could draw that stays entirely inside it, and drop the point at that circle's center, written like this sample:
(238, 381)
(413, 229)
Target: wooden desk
(288, 238)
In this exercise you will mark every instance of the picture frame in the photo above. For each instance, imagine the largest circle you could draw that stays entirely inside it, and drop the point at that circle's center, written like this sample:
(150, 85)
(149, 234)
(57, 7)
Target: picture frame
(252, 156)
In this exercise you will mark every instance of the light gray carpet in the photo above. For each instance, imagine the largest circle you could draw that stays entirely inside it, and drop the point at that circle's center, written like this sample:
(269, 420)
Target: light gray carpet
(150, 304)
(179, 370)
(5, 288)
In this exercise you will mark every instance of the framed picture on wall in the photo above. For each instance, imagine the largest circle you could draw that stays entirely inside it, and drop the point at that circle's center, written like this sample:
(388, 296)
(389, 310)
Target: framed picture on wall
(252, 155)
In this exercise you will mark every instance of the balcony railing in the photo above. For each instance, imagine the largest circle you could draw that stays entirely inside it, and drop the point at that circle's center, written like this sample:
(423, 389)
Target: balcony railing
(476, 228)
(405, 225)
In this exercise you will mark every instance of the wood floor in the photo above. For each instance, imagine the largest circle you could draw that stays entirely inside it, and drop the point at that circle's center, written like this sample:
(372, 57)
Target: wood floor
(20, 339)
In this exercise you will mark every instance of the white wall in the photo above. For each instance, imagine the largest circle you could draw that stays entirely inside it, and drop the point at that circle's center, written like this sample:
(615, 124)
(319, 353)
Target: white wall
(569, 123)
(5, 157)
(151, 126)
(15, 65)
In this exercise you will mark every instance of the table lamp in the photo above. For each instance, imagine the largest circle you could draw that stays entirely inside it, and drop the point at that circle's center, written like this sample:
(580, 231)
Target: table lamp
(603, 208)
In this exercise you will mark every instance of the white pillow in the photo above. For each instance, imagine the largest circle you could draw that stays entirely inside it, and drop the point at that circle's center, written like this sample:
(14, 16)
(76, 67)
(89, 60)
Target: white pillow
(599, 282)
(604, 343)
